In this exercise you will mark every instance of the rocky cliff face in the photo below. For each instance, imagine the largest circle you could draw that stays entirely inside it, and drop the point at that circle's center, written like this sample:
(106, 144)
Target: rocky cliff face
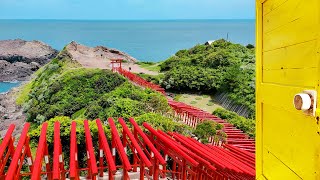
(96, 57)
(19, 58)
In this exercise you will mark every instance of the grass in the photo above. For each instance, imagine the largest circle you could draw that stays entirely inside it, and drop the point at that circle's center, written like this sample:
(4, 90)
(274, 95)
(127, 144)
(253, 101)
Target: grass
(202, 101)
(23, 94)
(193, 102)
(210, 104)
(151, 66)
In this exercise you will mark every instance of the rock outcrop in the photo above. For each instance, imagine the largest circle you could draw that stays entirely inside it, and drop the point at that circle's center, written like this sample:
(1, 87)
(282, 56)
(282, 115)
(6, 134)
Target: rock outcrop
(96, 57)
(19, 58)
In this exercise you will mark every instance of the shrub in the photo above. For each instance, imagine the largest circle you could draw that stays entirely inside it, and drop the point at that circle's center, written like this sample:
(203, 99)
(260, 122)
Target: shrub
(210, 104)
(193, 102)
(246, 125)
(157, 121)
(206, 129)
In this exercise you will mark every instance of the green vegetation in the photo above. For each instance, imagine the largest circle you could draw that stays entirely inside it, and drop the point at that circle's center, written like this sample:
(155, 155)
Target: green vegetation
(151, 78)
(151, 66)
(193, 102)
(210, 104)
(246, 125)
(165, 124)
(219, 67)
(207, 129)
(63, 88)
(63, 91)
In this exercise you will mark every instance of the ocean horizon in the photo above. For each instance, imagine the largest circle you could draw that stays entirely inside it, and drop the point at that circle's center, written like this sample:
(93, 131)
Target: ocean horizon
(146, 40)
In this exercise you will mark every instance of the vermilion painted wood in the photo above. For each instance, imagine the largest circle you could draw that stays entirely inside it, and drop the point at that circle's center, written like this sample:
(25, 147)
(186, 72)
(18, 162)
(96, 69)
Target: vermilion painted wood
(73, 152)
(106, 149)
(170, 145)
(6, 140)
(191, 159)
(135, 143)
(40, 153)
(12, 171)
(7, 143)
(119, 146)
(92, 159)
(56, 151)
(148, 142)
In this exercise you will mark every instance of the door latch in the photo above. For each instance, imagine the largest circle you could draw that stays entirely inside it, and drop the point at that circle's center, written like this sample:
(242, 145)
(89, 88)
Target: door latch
(306, 101)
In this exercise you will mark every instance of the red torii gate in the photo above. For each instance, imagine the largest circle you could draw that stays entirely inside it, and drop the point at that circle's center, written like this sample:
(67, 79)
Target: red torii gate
(192, 115)
(116, 64)
(153, 149)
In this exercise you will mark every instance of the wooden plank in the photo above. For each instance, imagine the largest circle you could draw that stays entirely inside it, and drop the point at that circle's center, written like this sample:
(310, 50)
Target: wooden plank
(271, 5)
(301, 30)
(274, 169)
(290, 11)
(299, 143)
(259, 39)
(294, 56)
(297, 77)
(279, 96)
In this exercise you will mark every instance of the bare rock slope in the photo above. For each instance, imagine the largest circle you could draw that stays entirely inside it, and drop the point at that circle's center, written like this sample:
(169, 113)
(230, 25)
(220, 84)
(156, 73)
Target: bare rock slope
(100, 57)
(20, 58)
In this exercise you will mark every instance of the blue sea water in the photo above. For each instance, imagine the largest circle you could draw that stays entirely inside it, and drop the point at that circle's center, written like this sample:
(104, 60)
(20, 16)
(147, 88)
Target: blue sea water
(6, 86)
(144, 40)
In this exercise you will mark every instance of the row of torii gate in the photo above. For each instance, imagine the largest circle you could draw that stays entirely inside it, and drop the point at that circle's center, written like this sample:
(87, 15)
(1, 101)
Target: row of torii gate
(192, 115)
(155, 155)
(134, 153)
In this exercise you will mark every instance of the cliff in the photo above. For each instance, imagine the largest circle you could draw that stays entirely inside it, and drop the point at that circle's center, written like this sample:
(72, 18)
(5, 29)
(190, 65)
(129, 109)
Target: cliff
(95, 57)
(20, 58)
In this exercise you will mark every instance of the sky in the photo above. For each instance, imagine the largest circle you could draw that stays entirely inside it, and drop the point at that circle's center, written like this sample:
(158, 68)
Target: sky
(127, 9)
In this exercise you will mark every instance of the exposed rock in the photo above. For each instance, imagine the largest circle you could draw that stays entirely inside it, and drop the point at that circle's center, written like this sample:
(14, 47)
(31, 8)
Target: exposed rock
(19, 58)
(10, 113)
(97, 57)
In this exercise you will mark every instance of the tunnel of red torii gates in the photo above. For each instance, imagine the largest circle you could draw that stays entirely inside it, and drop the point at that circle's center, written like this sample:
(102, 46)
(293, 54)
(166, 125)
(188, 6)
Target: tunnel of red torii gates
(155, 155)
(134, 153)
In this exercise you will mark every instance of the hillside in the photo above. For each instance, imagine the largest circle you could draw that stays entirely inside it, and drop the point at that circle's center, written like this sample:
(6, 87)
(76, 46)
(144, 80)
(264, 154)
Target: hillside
(222, 67)
(64, 88)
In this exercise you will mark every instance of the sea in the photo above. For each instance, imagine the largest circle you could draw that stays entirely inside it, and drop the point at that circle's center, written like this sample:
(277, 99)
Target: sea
(147, 40)
(6, 86)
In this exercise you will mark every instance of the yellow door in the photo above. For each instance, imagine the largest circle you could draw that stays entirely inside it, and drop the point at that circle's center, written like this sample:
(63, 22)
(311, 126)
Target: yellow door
(288, 140)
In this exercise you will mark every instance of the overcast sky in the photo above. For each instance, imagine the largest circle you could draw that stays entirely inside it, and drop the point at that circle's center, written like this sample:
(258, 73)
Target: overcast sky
(127, 9)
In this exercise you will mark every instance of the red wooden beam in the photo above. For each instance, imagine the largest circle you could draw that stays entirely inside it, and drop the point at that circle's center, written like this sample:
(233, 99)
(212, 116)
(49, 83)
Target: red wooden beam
(73, 152)
(135, 143)
(148, 142)
(90, 151)
(106, 148)
(170, 145)
(120, 148)
(6, 140)
(56, 151)
(12, 171)
(40, 152)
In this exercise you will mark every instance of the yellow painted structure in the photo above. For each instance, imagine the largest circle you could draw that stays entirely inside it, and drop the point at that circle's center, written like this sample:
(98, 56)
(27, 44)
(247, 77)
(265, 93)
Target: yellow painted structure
(288, 52)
